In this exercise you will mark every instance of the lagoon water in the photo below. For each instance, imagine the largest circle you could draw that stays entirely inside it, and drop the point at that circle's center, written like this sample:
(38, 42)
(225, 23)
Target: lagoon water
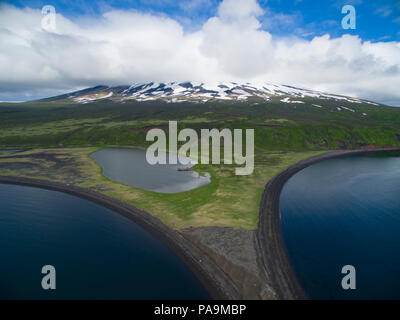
(97, 253)
(345, 211)
(130, 167)
(9, 151)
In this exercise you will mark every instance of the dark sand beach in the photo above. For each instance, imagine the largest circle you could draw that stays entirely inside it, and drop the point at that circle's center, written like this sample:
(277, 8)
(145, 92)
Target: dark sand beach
(221, 279)
(271, 248)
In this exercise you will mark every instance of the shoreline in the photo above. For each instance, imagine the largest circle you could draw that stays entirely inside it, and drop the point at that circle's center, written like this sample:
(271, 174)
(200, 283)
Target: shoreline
(274, 259)
(271, 254)
(214, 280)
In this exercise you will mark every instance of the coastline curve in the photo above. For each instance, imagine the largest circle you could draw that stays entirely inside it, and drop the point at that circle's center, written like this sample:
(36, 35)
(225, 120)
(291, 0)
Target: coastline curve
(214, 280)
(274, 260)
(270, 248)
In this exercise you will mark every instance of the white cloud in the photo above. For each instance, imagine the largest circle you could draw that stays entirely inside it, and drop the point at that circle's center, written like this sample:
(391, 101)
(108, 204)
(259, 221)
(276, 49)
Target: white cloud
(239, 9)
(130, 46)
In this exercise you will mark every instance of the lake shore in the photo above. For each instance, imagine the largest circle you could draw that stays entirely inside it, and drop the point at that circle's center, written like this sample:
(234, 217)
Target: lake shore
(210, 275)
(271, 248)
(211, 270)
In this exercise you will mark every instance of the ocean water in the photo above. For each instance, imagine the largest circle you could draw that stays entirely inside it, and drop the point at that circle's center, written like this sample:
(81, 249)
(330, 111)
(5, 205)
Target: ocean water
(97, 253)
(345, 211)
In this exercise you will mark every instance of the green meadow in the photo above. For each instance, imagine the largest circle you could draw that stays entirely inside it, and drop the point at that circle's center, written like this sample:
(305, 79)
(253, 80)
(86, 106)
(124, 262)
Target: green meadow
(59, 136)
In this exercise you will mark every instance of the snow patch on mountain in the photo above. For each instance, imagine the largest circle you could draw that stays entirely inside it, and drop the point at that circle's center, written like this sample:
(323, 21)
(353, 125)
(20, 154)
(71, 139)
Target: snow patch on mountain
(202, 92)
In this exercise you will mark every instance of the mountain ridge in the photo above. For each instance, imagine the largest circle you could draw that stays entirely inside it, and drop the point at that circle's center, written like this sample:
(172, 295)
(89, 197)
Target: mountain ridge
(202, 92)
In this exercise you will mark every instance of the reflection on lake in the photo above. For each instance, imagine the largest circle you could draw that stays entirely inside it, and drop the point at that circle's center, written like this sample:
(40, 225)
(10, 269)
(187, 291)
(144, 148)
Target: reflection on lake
(129, 166)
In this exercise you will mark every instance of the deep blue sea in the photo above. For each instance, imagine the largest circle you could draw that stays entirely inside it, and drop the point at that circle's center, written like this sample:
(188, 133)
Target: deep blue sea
(345, 211)
(97, 253)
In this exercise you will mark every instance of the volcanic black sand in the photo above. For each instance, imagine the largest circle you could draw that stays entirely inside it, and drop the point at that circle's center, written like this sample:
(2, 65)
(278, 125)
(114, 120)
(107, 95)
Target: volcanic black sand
(270, 245)
(212, 277)
(231, 263)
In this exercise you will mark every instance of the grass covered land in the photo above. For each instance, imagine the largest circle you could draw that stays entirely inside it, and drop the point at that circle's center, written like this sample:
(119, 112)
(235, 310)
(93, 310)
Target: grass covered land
(229, 200)
(278, 126)
(60, 136)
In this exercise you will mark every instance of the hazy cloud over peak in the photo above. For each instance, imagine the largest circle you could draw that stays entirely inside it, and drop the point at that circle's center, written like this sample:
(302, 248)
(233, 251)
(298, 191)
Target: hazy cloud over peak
(126, 46)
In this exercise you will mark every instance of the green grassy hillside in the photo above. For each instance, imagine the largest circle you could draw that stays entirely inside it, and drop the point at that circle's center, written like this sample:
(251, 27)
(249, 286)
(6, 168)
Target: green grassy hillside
(284, 134)
(278, 125)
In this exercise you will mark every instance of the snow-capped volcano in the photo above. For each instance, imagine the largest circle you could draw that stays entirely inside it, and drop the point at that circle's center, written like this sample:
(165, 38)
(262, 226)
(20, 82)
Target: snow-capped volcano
(202, 92)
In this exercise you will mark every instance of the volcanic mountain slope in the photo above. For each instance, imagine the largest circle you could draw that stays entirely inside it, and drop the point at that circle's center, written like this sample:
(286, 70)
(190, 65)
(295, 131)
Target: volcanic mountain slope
(284, 117)
(174, 92)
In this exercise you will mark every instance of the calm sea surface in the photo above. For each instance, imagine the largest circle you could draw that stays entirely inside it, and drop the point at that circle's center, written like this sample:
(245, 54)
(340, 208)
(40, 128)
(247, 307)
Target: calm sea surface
(97, 253)
(341, 212)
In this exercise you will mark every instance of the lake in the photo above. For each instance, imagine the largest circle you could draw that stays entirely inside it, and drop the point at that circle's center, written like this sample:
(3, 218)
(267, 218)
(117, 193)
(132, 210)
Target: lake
(345, 211)
(129, 166)
(97, 253)
(9, 151)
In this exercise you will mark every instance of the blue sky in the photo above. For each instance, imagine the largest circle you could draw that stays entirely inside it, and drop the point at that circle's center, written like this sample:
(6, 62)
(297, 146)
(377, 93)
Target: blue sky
(294, 42)
(376, 20)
